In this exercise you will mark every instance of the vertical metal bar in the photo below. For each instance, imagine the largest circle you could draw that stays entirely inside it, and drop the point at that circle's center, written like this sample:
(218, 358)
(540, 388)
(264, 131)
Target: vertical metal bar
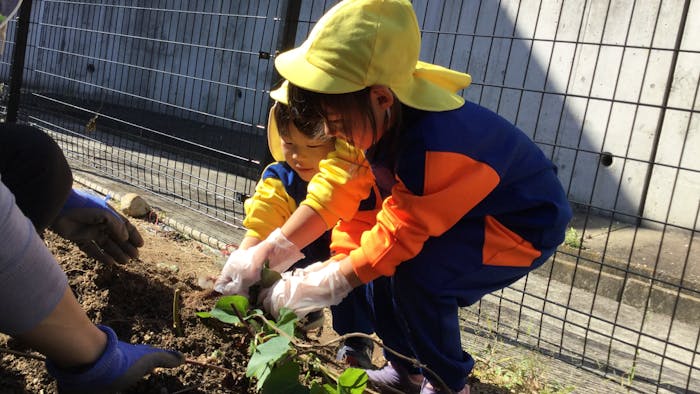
(662, 116)
(291, 9)
(17, 67)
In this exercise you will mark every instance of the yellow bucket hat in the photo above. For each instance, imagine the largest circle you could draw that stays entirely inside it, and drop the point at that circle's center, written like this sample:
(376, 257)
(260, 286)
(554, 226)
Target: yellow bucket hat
(274, 142)
(361, 43)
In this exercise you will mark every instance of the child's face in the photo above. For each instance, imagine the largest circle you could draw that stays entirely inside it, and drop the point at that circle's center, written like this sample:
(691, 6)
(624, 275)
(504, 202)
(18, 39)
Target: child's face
(362, 135)
(303, 153)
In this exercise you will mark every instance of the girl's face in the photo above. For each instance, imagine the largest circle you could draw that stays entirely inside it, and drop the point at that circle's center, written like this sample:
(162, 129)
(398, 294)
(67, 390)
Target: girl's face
(361, 134)
(303, 153)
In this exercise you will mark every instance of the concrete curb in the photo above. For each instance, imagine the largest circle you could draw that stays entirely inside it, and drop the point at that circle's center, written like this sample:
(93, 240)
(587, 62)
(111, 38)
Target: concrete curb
(583, 270)
(162, 217)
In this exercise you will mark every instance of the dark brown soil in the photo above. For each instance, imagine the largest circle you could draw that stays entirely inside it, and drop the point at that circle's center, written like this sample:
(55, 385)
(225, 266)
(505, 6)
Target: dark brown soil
(136, 300)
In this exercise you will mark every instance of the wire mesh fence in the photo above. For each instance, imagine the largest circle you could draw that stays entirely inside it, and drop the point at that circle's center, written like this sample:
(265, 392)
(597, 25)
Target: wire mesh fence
(171, 97)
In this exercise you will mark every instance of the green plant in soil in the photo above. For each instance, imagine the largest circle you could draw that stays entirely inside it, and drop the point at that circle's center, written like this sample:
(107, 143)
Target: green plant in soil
(276, 357)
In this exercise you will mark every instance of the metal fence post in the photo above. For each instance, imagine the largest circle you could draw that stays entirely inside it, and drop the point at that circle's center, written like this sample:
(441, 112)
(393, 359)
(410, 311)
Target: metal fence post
(288, 33)
(662, 117)
(17, 67)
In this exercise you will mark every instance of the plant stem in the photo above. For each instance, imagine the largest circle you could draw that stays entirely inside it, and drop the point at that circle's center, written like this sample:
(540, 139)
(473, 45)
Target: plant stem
(177, 322)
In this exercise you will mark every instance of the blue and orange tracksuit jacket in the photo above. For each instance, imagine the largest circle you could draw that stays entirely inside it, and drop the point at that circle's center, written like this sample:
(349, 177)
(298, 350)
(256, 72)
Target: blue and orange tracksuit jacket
(469, 171)
(471, 205)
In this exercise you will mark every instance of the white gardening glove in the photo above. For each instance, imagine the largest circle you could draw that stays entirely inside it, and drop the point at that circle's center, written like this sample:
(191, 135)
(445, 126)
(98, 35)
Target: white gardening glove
(281, 252)
(307, 290)
(243, 267)
(242, 270)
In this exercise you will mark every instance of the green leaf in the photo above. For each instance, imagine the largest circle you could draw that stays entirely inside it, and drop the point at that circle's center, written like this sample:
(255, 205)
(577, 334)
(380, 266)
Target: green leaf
(224, 309)
(352, 381)
(268, 278)
(204, 315)
(225, 317)
(287, 321)
(227, 303)
(284, 379)
(265, 356)
(316, 388)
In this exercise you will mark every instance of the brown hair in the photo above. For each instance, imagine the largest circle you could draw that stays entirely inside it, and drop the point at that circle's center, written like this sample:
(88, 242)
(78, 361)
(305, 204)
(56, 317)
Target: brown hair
(350, 107)
(310, 126)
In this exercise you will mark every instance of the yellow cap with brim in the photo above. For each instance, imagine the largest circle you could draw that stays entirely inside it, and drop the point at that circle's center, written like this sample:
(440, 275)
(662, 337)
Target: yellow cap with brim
(361, 43)
(274, 142)
(280, 94)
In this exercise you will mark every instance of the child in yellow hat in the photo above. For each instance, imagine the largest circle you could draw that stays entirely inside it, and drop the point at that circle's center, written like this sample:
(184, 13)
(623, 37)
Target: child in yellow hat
(302, 150)
(471, 204)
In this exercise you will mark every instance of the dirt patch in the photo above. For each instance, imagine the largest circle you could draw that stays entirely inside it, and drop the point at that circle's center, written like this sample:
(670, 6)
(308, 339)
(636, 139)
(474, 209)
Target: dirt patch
(136, 300)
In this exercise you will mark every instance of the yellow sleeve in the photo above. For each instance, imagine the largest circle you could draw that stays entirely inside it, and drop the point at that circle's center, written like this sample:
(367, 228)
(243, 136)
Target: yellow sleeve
(343, 181)
(268, 209)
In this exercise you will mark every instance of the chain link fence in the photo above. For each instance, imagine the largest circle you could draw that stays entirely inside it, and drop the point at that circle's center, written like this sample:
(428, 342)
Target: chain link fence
(171, 97)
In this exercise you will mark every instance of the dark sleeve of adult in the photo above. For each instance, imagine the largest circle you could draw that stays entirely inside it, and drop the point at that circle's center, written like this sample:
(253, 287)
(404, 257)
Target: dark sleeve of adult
(35, 170)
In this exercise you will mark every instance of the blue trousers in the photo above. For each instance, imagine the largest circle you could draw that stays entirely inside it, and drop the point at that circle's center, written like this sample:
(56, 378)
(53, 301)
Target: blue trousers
(415, 311)
(353, 313)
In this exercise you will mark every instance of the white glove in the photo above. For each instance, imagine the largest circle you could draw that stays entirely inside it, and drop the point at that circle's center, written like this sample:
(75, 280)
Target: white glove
(243, 267)
(242, 270)
(281, 252)
(307, 290)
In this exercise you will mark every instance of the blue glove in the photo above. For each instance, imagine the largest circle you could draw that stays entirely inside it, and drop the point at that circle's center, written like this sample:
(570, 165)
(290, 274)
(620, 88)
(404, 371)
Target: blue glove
(120, 365)
(83, 199)
(99, 230)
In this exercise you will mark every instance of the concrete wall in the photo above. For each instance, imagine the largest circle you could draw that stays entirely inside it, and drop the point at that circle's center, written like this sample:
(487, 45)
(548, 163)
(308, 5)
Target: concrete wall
(581, 78)
(196, 60)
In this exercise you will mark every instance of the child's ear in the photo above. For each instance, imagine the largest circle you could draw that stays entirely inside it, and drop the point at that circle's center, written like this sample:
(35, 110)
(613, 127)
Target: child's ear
(382, 96)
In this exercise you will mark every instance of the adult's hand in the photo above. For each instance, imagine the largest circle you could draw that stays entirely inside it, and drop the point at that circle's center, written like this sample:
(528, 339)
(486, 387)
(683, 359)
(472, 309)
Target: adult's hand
(97, 229)
(120, 366)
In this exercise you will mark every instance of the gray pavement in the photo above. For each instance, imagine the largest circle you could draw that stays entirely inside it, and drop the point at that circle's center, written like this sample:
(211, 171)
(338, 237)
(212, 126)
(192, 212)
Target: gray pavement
(654, 268)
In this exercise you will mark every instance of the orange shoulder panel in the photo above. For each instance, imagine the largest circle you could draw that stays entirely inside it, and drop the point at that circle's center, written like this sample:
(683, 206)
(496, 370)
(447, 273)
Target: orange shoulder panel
(503, 247)
(454, 184)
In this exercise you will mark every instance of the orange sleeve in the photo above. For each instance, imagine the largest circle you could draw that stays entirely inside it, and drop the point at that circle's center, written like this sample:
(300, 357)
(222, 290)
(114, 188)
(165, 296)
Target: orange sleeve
(346, 234)
(454, 184)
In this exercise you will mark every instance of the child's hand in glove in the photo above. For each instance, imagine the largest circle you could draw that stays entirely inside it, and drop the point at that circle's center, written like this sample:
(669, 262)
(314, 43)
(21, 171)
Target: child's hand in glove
(242, 270)
(99, 231)
(243, 267)
(306, 290)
